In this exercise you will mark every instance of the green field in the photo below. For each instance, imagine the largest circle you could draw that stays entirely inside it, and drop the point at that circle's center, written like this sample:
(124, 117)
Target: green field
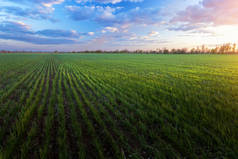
(70, 106)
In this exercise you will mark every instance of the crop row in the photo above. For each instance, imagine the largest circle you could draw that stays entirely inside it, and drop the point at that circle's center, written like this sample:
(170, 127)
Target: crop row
(68, 106)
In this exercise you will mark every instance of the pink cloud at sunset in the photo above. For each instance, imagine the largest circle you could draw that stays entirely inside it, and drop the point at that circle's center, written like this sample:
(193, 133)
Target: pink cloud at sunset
(214, 12)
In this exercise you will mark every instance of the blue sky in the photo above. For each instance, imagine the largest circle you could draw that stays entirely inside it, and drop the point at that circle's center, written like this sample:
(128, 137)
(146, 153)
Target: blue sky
(70, 25)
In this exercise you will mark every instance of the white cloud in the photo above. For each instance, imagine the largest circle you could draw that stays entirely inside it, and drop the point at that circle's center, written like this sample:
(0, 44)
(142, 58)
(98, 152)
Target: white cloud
(106, 13)
(91, 33)
(51, 3)
(111, 16)
(110, 29)
(98, 13)
(108, 1)
(154, 33)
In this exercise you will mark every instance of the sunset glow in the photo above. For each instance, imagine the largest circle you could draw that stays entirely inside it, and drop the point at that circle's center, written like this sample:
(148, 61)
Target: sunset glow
(68, 25)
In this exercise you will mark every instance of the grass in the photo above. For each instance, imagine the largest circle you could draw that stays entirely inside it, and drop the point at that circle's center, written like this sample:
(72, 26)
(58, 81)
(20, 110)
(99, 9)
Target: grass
(118, 106)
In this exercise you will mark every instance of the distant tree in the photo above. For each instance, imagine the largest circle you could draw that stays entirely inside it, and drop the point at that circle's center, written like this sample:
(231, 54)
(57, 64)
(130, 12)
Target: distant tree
(216, 50)
(165, 51)
(234, 48)
(184, 50)
(116, 51)
(172, 51)
(193, 50)
(203, 49)
(98, 51)
(123, 51)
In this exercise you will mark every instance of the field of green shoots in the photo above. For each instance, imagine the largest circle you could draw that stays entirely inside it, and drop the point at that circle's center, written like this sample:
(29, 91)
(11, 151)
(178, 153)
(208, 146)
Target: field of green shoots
(96, 106)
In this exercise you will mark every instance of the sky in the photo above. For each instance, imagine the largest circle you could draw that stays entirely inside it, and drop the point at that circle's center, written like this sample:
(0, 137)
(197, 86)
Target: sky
(77, 25)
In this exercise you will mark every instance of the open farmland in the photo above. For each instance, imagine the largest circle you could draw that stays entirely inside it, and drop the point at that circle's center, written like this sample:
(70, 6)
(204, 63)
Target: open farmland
(118, 106)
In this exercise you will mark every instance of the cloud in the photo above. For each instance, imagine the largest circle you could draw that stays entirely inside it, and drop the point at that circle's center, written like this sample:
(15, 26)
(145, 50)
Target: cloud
(38, 13)
(46, 3)
(154, 33)
(91, 33)
(151, 37)
(110, 29)
(107, 1)
(35, 40)
(49, 3)
(91, 12)
(186, 27)
(59, 33)
(119, 38)
(109, 16)
(33, 9)
(117, 23)
(21, 32)
(100, 1)
(209, 12)
(80, 13)
(15, 27)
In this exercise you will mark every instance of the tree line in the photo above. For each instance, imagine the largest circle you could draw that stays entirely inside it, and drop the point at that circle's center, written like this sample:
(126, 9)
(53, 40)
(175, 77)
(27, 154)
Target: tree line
(228, 48)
